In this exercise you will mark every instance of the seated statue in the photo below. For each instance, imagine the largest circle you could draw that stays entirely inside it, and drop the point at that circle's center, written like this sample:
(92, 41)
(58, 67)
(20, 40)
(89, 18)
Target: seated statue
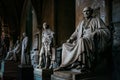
(90, 36)
(11, 55)
(45, 52)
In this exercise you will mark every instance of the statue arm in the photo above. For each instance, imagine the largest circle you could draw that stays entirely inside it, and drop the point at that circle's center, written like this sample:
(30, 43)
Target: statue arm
(26, 42)
(17, 48)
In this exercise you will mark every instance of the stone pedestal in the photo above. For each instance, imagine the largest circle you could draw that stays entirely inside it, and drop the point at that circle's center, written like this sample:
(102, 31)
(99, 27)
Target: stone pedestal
(71, 75)
(8, 69)
(42, 74)
(25, 72)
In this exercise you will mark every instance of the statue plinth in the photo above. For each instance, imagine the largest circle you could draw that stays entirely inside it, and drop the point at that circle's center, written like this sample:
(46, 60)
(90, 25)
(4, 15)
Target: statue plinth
(71, 75)
(8, 69)
(42, 74)
(25, 72)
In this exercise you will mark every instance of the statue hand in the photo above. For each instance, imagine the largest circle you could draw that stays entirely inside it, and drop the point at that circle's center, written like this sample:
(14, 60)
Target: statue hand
(69, 41)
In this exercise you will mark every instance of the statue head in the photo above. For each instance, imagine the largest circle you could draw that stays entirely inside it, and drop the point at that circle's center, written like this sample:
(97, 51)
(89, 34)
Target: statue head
(87, 12)
(45, 26)
(24, 34)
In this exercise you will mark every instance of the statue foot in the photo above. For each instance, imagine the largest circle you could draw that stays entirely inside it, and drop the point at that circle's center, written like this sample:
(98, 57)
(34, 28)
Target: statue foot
(59, 69)
(74, 65)
(78, 67)
(38, 66)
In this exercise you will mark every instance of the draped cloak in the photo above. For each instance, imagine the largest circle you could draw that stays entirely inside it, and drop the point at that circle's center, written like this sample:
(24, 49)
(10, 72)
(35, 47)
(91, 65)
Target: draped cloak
(86, 36)
(24, 47)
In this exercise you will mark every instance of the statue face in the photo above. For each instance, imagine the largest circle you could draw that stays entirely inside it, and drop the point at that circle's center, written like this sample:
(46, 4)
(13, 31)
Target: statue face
(24, 34)
(44, 25)
(87, 12)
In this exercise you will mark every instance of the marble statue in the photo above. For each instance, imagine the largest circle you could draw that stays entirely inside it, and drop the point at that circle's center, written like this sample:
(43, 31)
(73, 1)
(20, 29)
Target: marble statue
(24, 54)
(45, 52)
(11, 55)
(91, 35)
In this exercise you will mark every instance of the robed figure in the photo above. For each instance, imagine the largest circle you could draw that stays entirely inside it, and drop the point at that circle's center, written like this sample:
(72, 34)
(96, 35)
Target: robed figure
(90, 36)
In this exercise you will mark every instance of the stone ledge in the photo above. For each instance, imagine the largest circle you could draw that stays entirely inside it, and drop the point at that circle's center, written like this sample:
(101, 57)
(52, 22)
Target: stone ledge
(54, 77)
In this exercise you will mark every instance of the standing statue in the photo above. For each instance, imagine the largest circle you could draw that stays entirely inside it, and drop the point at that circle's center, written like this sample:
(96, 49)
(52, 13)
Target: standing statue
(24, 59)
(47, 38)
(90, 36)
(11, 55)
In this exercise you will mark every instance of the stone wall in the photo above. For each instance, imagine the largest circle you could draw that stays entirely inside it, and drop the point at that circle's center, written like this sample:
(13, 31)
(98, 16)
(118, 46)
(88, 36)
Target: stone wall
(36, 32)
(97, 5)
(64, 20)
(44, 11)
(116, 39)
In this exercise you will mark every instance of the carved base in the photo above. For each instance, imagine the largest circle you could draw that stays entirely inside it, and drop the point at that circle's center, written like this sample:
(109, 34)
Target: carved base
(64, 75)
(42, 74)
(70, 75)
